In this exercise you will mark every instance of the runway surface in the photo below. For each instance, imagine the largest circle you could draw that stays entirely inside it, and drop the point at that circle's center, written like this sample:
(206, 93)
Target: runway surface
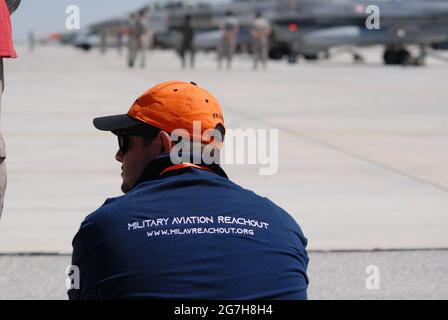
(333, 275)
(362, 153)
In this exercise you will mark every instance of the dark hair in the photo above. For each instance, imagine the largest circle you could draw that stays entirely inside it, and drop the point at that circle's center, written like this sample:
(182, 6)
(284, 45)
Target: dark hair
(148, 140)
(221, 130)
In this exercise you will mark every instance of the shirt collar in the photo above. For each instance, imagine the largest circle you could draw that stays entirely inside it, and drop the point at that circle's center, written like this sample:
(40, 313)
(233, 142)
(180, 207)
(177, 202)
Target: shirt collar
(162, 165)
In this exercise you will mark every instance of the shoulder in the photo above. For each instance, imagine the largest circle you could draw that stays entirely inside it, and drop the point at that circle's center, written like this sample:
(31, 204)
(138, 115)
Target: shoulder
(253, 198)
(94, 224)
(105, 210)
(271, 210)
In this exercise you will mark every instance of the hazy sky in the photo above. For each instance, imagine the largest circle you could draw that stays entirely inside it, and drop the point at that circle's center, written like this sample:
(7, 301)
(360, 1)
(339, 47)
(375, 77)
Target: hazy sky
(46, 16)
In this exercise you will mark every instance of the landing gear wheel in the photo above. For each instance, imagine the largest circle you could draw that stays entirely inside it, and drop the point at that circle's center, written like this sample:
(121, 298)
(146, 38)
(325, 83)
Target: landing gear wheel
(292, 59)
(311, 57)
(396, 57)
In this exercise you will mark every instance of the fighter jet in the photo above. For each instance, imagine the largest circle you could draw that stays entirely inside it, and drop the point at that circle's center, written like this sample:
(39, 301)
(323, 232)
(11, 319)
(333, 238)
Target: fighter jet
(319, 25)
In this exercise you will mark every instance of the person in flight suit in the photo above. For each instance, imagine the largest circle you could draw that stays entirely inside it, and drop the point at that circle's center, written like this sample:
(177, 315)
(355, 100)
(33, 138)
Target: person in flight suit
(187, 44)
(261, 30)
(229, 34)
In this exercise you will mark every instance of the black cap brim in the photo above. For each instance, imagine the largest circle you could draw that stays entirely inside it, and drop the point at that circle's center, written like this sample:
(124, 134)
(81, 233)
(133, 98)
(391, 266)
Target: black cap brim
(115, 123)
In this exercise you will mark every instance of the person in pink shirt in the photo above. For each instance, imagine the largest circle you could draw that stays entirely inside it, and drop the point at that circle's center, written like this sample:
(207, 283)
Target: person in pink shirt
(7, 7)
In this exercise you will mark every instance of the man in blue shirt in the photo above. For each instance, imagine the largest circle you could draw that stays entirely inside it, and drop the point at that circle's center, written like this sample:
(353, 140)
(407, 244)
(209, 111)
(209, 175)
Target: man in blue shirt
(182, 229)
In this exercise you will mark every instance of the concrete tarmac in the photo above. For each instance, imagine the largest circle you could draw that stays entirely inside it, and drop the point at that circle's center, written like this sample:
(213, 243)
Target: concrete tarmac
(362, 153)
(333, 275)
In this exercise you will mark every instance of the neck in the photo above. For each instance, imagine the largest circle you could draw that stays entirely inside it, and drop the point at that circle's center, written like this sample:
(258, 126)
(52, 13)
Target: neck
(158, 167)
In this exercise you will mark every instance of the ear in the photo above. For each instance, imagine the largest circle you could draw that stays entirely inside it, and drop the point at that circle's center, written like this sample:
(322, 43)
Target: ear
(165, 142)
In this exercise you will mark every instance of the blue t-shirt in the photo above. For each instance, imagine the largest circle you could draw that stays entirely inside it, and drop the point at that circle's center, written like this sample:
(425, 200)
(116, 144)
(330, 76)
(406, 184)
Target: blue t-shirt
(190, 234)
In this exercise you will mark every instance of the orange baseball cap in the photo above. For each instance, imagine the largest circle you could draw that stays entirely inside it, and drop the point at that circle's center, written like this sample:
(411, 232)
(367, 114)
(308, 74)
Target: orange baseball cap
(169, 106)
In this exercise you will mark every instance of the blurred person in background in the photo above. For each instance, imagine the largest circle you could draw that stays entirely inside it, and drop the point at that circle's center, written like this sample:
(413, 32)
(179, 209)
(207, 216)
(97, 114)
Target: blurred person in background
(187, 44)
(31, 41)
(103, 42)
(230, 29)
(137, 31)
(120, 41)
(6, 51)
(260, 32)
(149, 34)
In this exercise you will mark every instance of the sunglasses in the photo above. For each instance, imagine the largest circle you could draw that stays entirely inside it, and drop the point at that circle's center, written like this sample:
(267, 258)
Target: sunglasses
(123, 143)
(124, 139)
